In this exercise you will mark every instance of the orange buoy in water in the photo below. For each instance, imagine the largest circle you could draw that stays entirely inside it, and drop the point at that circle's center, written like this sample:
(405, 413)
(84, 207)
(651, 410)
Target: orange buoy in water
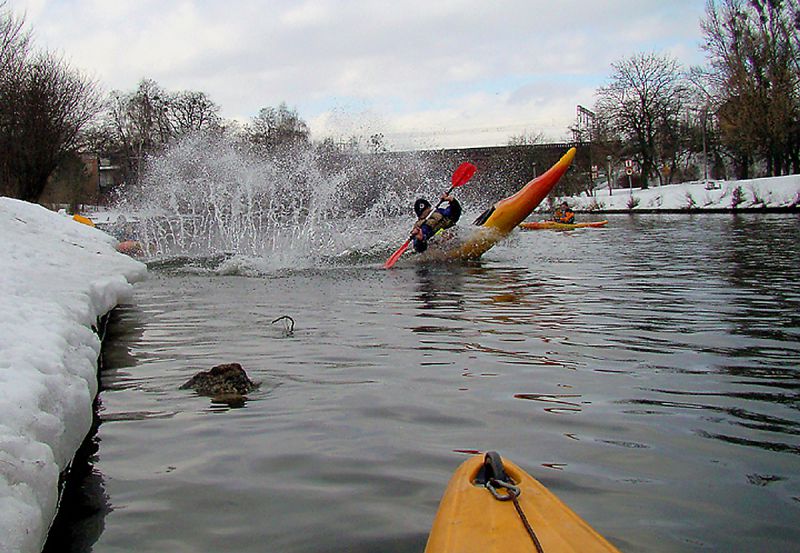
(130, 247)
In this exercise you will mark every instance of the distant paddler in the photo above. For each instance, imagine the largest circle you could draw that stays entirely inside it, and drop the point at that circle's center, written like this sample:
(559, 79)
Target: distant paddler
(563, 214)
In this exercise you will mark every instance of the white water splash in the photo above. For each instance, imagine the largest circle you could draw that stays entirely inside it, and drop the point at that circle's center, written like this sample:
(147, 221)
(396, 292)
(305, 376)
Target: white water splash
(205, 196)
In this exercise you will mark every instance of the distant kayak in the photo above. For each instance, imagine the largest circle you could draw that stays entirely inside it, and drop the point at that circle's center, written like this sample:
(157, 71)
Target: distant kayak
(540, 225)
(492, 505)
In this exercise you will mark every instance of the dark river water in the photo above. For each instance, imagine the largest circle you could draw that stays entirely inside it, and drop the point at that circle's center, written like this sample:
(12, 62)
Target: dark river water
(647, 373)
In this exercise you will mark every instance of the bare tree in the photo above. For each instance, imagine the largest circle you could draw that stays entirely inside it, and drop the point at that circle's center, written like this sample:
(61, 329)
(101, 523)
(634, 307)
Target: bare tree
(191, 111)
(14, 51)
(753, 49)
(642, 105)
(526, 139)
(14, 42)
(277, 128)
(45, 106)
(139, 123)
(142, 123)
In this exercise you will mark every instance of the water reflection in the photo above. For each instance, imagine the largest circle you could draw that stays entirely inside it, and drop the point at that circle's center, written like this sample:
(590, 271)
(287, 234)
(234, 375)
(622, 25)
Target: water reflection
(517, 356)
(761, 256)
(761, 444)
(439, 287)
(84, 503)
(222, 404)
(556, 403)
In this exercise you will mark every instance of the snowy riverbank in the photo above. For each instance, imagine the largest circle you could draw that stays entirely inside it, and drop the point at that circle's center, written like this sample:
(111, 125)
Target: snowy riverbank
(57, 278)
(751, 194)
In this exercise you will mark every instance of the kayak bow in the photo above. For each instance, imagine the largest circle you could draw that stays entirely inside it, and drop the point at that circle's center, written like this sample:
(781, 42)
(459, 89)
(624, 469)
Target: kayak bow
(502, 218)
(471, 518)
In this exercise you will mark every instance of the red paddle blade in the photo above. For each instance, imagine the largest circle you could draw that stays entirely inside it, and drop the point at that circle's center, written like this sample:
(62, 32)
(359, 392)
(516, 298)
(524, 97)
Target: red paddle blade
(396, 255)
(463, 173)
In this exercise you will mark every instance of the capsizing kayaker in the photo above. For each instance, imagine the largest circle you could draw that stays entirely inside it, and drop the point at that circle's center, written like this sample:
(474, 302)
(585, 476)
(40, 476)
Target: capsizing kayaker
(430, 221)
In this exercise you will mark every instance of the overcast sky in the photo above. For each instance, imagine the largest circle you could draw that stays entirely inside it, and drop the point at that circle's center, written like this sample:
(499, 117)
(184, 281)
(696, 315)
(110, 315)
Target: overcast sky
(425, 73)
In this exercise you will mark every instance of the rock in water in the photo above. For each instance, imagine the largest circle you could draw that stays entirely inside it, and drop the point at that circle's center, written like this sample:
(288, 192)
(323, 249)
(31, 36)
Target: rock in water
(225, 380)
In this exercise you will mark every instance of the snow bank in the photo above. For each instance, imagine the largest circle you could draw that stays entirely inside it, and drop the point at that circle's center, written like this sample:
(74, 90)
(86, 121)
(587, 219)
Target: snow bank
(57, 277)
(775, 192)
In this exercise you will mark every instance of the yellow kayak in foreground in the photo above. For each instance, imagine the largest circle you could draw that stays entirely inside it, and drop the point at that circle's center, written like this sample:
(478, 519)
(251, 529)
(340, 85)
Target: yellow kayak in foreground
(513, 513)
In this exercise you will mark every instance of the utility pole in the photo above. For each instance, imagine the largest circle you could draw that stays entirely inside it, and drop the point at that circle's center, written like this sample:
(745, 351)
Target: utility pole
(586, 123)
(705, 152)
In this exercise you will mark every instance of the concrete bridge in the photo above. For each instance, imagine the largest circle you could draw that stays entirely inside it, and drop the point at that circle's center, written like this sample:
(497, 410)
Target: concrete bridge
(503, 169)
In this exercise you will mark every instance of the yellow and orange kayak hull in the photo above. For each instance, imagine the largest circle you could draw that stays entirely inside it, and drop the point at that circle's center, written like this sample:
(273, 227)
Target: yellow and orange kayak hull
(508, 213)
(470, 519)
(554, 225)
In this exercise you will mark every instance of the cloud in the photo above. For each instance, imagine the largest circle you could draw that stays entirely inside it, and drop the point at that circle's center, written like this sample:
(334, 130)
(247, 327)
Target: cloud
(452, 65)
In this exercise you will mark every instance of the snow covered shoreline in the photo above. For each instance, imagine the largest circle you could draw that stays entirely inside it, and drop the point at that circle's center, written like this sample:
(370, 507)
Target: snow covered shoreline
(58, 278)
(776, 194)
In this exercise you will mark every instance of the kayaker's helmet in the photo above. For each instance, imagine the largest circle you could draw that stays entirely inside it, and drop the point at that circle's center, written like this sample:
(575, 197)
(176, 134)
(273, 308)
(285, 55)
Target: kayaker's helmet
(420, 206)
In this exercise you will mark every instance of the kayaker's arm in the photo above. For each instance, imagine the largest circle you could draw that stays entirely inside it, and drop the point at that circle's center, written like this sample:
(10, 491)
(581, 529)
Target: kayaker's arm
(453, 211)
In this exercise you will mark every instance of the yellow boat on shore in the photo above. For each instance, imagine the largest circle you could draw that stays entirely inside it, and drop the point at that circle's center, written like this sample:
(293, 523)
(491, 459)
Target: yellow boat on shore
(84, 220)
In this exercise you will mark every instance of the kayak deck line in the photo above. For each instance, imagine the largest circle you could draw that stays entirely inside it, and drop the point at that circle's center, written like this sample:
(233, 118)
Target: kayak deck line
(476, 514)
(494, 478)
